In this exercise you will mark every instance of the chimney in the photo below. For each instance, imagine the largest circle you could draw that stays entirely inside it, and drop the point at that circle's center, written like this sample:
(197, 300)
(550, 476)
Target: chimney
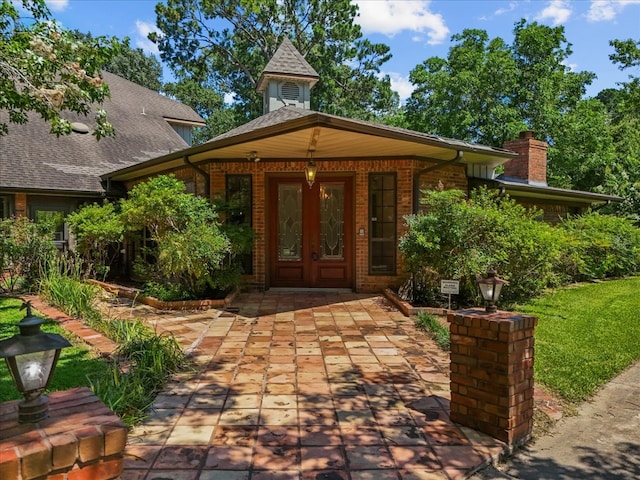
(531, 163)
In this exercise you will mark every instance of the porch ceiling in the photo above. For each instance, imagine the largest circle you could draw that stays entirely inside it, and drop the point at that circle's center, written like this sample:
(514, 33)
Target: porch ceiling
(326, 142)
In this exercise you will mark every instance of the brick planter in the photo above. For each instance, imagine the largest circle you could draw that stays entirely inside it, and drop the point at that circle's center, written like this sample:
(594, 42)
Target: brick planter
(80, 440)
(492, 373)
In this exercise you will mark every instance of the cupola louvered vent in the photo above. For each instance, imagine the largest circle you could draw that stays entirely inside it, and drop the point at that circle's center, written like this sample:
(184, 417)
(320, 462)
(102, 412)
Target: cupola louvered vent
(290, 91)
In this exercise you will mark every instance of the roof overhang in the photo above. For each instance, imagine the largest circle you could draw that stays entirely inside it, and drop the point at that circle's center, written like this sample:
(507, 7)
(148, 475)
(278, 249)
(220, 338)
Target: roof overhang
(328, 137)
(549, 194)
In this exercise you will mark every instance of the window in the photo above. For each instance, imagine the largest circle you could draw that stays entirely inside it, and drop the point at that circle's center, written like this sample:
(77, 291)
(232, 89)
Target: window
(382, 224)
(5, 207)
(53, 217)
(239, 201)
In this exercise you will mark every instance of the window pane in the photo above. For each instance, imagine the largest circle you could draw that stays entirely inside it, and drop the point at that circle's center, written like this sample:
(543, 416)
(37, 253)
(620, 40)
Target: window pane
(382, 224)
(332, 220)
(289, 222)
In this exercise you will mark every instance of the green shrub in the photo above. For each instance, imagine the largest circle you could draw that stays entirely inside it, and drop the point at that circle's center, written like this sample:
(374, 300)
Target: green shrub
(189, 247)
(25, 249)
(99, 231)
(456, 239)
(599, 246)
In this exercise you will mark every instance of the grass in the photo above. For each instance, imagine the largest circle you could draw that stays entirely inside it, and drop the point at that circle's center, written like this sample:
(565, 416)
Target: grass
(76, 364)
(585, 336)
(436, 330)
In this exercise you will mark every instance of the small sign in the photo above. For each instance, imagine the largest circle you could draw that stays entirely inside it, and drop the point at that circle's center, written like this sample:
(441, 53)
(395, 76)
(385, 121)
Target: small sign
(450, 286)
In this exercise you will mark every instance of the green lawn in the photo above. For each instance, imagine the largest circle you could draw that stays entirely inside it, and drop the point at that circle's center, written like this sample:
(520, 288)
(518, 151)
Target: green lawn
(75, 364)
(586, 335)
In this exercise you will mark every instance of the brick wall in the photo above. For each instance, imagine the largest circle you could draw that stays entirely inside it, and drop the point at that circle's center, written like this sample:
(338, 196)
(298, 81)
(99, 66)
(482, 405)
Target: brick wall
(80, 440)
(492, 373)
(20, 204)
(450, 176)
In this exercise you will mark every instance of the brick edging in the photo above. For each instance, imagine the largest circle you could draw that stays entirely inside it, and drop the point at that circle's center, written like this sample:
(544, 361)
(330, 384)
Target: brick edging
(95, 339)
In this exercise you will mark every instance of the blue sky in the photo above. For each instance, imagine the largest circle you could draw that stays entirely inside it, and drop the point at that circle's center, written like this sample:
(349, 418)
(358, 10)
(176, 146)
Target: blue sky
(416, 30)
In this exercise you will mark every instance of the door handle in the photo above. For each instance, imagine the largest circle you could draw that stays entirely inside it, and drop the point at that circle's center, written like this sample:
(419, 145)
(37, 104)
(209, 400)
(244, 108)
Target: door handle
(314, 256)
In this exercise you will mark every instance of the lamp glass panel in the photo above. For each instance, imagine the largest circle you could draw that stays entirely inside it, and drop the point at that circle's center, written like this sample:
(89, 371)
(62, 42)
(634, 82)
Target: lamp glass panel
(487, 290)
(35, 368)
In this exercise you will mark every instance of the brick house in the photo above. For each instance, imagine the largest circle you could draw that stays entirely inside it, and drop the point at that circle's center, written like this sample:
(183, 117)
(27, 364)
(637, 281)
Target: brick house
(41, 174)
(342, 229)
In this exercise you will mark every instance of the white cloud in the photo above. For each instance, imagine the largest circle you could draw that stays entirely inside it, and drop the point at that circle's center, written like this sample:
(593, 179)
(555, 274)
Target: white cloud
(558, 11)
(606, 10)
(501, 11)
(57, 5)
(143, 29)
(400, 84)
(390, 17)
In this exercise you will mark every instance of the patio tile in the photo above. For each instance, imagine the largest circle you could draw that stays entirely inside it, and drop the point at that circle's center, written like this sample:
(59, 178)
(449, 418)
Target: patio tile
(321, 457)
(172, 474)
(187, 457)
(359, 435)
(278, 416)
(190, 435)
(239, 416)
(274, 435)
(368, 457)
(343, 388)
(229, 458)
(276, 457)
(279, 401)
(223, 475)
(140, 456)
(234, 435)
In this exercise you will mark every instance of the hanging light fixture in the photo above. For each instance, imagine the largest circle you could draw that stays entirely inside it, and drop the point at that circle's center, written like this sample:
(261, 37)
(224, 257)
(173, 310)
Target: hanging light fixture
(31, 357)
(311, 170)
(490, 286)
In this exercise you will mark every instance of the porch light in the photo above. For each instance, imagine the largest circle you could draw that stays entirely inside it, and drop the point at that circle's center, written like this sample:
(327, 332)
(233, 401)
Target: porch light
(490, 286)
(31, 357)
(310, 171)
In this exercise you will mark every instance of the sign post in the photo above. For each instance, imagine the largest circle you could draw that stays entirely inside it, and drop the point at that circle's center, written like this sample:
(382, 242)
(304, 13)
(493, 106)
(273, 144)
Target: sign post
(450, 287)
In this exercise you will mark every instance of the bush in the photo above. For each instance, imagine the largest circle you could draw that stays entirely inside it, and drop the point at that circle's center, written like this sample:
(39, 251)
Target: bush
(25, 249)
(189, 248)
(456, 239)
(99, 231)
(599, 246)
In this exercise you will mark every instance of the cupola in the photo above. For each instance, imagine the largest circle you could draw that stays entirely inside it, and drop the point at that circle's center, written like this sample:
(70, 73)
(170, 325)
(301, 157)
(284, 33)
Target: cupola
(286, 80)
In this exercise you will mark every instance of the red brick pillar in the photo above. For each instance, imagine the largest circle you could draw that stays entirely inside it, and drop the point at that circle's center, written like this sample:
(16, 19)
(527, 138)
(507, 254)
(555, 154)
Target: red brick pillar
(80, 440)
(492, 373)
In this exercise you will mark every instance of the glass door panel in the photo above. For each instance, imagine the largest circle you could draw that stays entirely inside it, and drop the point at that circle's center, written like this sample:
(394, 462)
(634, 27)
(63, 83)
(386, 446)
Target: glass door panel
(289, 222)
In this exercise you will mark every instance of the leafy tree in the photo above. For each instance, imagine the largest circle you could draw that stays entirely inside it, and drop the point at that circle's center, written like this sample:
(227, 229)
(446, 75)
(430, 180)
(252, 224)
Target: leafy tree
(189, 247)
(226, 44)
(466, 96)
(486, 91)
(623, 106)
(207, 103)
(44, 69)
(136, 66)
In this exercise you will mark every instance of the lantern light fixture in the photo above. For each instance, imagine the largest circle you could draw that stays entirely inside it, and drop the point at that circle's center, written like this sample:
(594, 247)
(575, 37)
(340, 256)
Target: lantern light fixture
(311, 170)
(31, 357)
(490, 287)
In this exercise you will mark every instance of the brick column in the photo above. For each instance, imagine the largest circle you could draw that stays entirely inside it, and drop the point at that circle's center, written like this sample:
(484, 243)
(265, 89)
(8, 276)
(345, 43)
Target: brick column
(492, 373)
(81, 439)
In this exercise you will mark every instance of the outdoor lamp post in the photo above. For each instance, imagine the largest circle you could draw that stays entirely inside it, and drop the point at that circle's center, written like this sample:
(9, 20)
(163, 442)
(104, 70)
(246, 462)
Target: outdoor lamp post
(490, 286)
(31, 357)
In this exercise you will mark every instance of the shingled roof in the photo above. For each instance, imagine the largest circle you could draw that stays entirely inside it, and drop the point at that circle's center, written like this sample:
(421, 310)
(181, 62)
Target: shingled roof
(289, 62)
(31, 158)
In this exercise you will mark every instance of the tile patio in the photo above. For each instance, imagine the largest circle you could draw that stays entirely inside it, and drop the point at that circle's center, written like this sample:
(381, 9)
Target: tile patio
(322, 386)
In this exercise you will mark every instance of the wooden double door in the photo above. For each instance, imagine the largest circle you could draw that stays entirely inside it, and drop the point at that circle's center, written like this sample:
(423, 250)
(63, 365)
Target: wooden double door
(311, 232)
